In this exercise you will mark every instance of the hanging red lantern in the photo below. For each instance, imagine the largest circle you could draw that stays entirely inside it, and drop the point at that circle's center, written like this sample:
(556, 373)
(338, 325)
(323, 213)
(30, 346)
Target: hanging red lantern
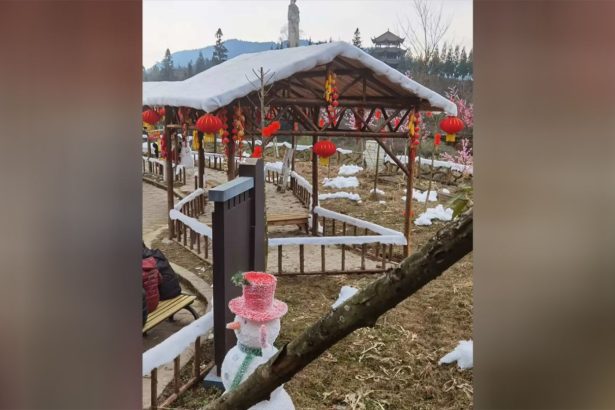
(161, 111)
(208, 124)
(451, 125)
(324, 149)
(437, 138)
(150, 117)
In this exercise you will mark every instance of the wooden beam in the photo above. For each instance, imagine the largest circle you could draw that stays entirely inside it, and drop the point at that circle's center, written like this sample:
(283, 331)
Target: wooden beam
(392, 155)
(341, 133)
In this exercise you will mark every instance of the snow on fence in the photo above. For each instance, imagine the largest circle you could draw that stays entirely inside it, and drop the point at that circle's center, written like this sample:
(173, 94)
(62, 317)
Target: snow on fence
(189, 231)
(367, 239)
(453, 166)
(157, 168)
(171, 349)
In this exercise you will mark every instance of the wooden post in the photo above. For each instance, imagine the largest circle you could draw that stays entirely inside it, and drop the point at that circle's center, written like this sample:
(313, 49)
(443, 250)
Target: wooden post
(375, 194)
(294, 144)
(314, 177)
(231, 146)
(409, 181)
(238, 243)
(169, 168)
(201, 151)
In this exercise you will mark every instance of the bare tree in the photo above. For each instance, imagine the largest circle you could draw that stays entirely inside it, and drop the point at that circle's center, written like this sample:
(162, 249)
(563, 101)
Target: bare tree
(425, 32)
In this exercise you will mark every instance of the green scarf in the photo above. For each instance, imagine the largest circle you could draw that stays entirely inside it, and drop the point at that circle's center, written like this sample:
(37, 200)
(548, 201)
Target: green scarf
(251, 353)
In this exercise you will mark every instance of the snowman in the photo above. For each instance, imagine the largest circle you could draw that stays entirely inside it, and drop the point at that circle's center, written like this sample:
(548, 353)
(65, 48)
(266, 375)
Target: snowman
(257, 326)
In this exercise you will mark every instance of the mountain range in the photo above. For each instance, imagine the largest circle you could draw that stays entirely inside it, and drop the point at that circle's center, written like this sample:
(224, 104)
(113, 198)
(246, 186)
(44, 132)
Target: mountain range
(235, 47)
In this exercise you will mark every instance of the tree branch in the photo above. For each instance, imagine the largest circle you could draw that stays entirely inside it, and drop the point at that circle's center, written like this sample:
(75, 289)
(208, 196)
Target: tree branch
(446, 247)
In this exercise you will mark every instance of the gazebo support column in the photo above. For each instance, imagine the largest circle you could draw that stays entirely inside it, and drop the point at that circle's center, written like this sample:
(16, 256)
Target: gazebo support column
(169, 168)
(201, 152)
(230, 146)
(409, 180)
(314, 188)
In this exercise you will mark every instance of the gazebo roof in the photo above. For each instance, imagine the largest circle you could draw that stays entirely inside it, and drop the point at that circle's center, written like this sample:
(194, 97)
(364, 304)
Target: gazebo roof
(387, 37)
(222, 84)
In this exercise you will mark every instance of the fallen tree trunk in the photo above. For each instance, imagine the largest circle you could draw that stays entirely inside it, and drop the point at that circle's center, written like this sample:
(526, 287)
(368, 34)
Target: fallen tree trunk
(450, 244)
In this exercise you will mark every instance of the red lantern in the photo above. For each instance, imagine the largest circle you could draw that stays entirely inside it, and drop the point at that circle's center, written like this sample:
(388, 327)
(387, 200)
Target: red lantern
(208, 124)
(324, 148)
(436, 138)
(451, 125)
(161, 111)
(150, 117)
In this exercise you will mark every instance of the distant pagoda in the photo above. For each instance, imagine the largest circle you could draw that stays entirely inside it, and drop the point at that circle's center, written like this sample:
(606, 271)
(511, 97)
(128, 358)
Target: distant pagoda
(387, 48)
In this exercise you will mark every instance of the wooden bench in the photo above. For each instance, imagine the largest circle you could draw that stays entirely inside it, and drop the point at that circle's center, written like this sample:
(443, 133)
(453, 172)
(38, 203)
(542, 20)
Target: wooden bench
(167, 308)
(298, 218)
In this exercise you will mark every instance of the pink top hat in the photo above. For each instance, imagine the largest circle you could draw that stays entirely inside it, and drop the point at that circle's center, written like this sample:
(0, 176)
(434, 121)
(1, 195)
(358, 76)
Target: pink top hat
(257, 302)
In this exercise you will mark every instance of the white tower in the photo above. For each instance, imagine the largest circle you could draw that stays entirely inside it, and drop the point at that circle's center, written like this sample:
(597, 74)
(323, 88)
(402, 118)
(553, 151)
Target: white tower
(293, 24)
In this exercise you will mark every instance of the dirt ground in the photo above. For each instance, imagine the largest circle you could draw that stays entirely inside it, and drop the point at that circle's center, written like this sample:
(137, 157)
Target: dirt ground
(391, 366)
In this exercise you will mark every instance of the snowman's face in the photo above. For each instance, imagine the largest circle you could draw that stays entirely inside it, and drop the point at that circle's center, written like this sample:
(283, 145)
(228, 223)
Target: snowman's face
(249, 332)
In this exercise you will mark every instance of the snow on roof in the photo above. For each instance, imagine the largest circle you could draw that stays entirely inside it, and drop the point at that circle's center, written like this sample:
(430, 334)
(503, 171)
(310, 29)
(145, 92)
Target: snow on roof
(220, 85)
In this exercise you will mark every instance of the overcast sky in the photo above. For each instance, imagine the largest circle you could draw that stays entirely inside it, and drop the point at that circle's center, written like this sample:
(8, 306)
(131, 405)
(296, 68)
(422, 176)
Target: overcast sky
(183, 25)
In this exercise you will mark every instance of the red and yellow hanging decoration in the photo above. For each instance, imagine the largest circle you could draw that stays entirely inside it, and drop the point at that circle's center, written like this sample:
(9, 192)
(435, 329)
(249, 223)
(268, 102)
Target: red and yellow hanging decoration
(150, 117)
(209, 125)
(331, 97)
(451, 125)
(413, 130)
(324, 149)
(238, 129)
(195, 140)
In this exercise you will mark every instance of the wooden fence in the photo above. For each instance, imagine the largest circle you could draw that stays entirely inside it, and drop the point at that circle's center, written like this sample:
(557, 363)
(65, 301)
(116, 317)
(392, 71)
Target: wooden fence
(155, 167)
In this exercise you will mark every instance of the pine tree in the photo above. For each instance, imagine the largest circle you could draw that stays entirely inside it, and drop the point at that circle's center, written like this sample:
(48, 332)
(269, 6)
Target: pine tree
(200, 64)
(166, 71)
(220, 51)
(449, 63)
(189, 70)
(470, 66)
(356, 40)
(463, 64)
(456, 61)
(435, 63)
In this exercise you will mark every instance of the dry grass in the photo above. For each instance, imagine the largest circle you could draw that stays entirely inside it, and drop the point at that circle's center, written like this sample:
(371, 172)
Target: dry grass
(391, 366)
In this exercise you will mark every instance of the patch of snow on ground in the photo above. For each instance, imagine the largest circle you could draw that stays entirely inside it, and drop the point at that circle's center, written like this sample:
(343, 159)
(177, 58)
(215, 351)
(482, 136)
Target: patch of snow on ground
(341, 182)
(445, 191)
(344, 151)
(421, 196)
(434, 213)
(382, 202)
(347, 170)
(378, 191)
(341, 194)
(463, 354)
(346, 292)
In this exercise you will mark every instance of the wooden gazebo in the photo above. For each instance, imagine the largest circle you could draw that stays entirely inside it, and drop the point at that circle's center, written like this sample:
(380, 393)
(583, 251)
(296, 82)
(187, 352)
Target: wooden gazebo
(295, 79)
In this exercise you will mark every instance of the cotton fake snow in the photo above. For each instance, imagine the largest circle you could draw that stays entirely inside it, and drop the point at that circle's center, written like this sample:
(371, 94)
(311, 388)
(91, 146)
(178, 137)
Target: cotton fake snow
(347, 170)
(382, 202)
(420, 196)
(445, 191)
(434, 213)
(346, 292)
(463, 354)
(341, 194)
(341, 182)
(378, 191)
